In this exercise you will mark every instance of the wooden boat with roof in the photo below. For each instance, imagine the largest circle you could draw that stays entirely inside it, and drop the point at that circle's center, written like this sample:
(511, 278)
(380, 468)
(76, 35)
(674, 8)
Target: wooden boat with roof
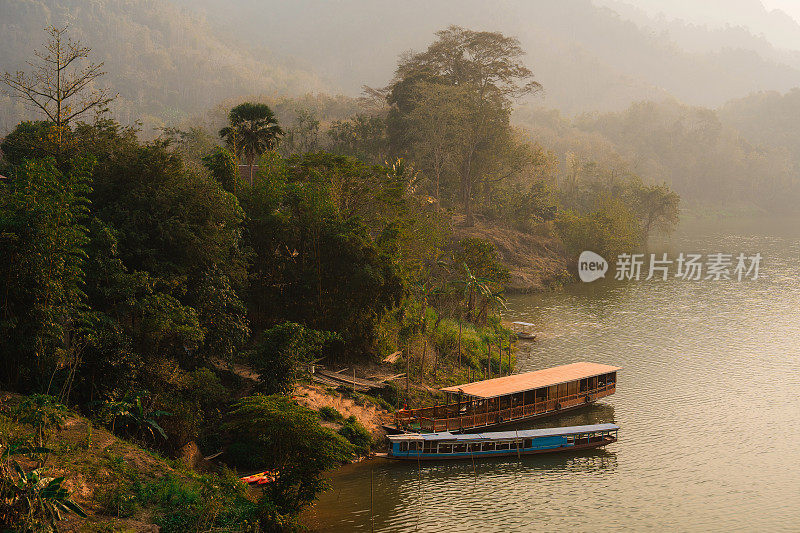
(511, 399)
(446, 445)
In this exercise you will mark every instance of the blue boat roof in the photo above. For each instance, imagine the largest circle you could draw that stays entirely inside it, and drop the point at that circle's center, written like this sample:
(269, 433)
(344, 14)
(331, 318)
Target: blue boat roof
(500, 435)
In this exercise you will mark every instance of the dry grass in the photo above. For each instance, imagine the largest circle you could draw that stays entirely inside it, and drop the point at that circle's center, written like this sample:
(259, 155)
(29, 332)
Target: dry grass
(537, 260)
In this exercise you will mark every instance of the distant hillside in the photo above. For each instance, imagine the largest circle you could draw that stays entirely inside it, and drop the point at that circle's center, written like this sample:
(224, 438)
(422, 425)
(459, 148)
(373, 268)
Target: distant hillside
(588, 57)
(772, 25)
(767, 118)
(704, 155)
(164, 61)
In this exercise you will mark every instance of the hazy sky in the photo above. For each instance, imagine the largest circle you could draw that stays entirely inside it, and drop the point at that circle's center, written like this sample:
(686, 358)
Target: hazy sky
(790, 7)
(777, 20)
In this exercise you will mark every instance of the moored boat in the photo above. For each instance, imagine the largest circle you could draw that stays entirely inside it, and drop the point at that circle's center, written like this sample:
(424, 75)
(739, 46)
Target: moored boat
(446, 445)
(524, 330)
(511, 399)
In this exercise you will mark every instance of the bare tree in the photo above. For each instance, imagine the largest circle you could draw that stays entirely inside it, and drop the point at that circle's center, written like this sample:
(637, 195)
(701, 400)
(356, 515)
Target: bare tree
(61, 84)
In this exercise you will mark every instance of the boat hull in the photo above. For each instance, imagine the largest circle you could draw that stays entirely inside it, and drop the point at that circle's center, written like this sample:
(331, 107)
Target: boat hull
(505, 453)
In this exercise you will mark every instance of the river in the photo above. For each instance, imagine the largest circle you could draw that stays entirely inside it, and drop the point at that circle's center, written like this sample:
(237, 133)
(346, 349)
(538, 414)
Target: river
(708, 401)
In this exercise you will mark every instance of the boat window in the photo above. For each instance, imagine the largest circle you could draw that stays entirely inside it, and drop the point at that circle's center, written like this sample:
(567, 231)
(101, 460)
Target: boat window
(430, 447)
(528, 443)
(571, 438)
(502, 445)
(475, 447)
(403, 446)
(445, 448)
(459, 448)
(488, 446)
(412, 446)
(528, 397)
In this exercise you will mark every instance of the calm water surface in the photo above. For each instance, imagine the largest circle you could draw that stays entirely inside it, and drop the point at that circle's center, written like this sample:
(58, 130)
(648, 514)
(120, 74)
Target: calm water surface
(708, 401)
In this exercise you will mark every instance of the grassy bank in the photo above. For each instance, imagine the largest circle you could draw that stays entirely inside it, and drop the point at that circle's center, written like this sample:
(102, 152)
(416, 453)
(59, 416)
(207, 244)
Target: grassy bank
(123, 487)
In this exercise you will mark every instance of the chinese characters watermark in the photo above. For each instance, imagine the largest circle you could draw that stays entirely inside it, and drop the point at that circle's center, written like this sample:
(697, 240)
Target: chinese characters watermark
(687, 267)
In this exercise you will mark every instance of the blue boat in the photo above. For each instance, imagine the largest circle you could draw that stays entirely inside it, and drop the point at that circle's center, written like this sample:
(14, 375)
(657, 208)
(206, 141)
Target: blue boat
(446, 445)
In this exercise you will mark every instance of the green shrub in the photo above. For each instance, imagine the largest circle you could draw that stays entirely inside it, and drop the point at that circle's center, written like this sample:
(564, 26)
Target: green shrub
(357, 435)
(43, 412)
(330, 414)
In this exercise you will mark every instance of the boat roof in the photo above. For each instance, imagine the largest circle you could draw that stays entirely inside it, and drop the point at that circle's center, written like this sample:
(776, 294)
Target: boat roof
(523, 324)
(491, 388)
(500, 435)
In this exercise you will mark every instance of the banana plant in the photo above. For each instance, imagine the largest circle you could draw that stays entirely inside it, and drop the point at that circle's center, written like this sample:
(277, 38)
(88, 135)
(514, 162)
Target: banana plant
(135, 417)
(27, 497)
(472, 287)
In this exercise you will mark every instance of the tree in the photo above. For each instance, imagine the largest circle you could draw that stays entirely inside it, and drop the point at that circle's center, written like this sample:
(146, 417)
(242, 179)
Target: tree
(131, 414)
(487, 67)
(58, 86)
(43, 236)
(311, 221)
(287, 439)
(222, 166)
(472, 288)
(434, 126)
(29, 140)
(611, 229)
(44, 413)
(253, 130)
(302, 136)
(657, 207)
(482, 259)
(282, 350)
(363, 137)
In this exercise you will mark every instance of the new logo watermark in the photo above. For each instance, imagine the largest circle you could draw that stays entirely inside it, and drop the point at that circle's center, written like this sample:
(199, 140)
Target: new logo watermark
(688, 267)
(591, 266)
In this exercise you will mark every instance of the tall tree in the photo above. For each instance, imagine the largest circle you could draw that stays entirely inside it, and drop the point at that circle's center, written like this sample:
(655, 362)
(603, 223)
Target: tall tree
(59, 86)
(488, 68)
(253, 130)
(434, 126)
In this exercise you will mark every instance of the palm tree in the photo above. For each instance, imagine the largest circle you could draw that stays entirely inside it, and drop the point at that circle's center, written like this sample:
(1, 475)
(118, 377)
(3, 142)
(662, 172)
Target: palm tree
(472, 287)
(253, 130)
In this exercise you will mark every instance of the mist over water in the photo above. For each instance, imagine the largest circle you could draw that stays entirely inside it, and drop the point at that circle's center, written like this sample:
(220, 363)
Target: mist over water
(708, 401)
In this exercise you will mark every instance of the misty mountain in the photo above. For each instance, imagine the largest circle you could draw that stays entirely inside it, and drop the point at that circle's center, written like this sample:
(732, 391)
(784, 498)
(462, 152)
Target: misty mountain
(698, 152)
(773, 25)
(768, 119)
(588, 57)
(164, 61)
(170, 59)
